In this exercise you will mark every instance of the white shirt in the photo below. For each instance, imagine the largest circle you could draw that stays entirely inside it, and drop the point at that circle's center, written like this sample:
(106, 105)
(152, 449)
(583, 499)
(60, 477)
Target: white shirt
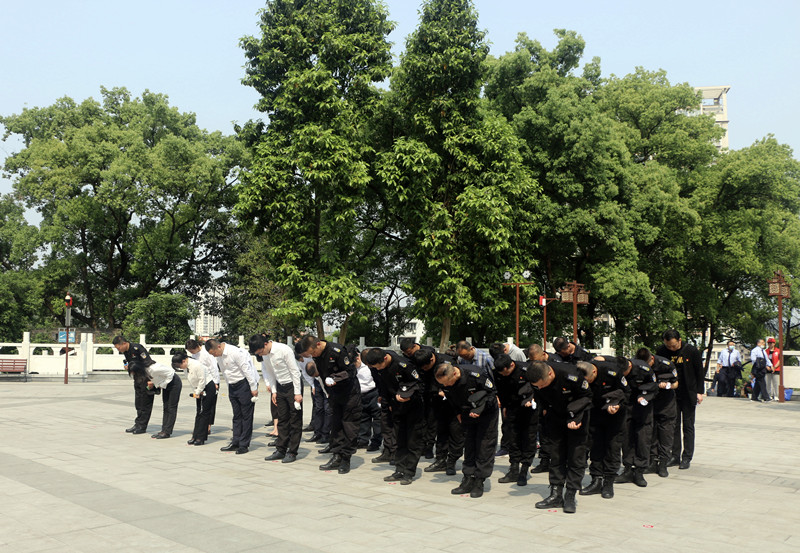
(279, 365)
(209, 361)
(198, 376)
(237, 365)
(516, 354)
(365, 379)
(302, 366)
(160, 375)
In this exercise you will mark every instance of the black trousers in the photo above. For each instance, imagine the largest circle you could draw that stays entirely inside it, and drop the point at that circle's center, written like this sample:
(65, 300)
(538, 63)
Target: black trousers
(429, 437)
(212, 417)
(320, 412)
(638, 435)
(388, 430)
(760, 388)
(520, 426)
(606, 431)
(345, 421)
(206, 407)
(449, 432)
(727, 382)
(684, 421)
(665, 411)
(567, 452)
(143, 401)
(545, 441)
(171, 395)
(409, 422)
(243, 410)
(480, 442)
(290, 420)
(370, 429)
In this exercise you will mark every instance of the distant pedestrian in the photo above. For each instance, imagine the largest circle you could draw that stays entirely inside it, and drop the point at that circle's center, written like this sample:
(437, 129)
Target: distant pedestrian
(773, 376)
(729, 366)
(761, 366)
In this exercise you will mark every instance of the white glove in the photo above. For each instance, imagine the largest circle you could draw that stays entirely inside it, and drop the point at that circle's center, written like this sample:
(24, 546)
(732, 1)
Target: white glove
(329, 381)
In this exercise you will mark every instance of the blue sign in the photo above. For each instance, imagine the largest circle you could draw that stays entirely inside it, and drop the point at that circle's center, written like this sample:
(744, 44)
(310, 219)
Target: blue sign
(62, 336)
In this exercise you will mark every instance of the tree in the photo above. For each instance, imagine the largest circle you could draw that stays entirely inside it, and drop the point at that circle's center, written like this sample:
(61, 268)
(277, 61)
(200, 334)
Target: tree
(134, 198)
(315, 65)
(454, 174)
(162, 316)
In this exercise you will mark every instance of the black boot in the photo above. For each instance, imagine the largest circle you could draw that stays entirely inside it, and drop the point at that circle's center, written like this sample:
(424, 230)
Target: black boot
(511, 476)
(450, 467)
(344, 465)
(543, 466)
(522, 479)
(554, 500)
(334, 463)
(384, 457)
(626, 477)
(673, 461)
(570, 505)
(440, 465)
(477, 488)
(594, 487)
(608, 488)
(662, 468)
(652, 468)
(638, 478)
(465, 487)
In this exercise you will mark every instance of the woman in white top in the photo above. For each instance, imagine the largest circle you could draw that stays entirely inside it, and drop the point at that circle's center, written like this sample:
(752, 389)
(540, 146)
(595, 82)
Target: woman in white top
(163, 377)
(204, 390)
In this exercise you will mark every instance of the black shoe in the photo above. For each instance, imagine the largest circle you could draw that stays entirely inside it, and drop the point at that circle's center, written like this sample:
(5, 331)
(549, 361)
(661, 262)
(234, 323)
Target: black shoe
(191, 442)
(139, 431)
(270, 423)
(324, 441)
(638, 478)
(406, 480)
(289, 458)
(392, 461)
(229, 447)
(594, 487)
(477, 488)
(673, 462)
(465, 487)
(344, 466)
(199, 442)
(652, 468)
(314, 438)
(326, 449)
(429, 453)
(440, 465)
(570, 504)
(273, 443)
(242, 450)
(384, 457)
(662, 469)
(334, 463)
(362, 445)
(685, 464)
(394, 477)
(160, 436)
(502, 452)
(275, 456)
(626, 477)
(130, 430)
(554, 500)
(543, 466)
(373, 447)
(511, 476)
(522, 479)
(308, 428)
(608, 488)
(450, 468)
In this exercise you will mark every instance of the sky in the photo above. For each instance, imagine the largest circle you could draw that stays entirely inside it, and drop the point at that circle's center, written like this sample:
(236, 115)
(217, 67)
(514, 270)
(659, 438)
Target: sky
(189, 50)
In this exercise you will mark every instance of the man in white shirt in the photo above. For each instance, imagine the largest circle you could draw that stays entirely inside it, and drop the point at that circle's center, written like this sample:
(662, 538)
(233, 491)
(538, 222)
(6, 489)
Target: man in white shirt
(282, 375)
(237, 368)
(761, 362)
(729, 365)
(198, 353)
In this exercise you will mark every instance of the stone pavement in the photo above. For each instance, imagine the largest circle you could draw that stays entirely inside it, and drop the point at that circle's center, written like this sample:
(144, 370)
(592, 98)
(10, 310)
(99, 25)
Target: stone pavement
(72, 480)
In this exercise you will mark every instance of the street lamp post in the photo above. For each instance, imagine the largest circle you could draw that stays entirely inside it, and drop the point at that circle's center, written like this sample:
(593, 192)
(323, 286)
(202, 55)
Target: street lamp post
(573, 293)
(525, 274)
(781, 289)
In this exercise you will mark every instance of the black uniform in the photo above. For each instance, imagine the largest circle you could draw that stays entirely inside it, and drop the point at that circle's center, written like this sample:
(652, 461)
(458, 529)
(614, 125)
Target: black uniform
(344, 398)
(639, 419)
(388, 430)
(665, 409)
(402, 378)
(143, 397)
(429, 397)
(520, 423)
(475, 393)
(579, 354)
(567, 399)
(610, 387)
(689, 365)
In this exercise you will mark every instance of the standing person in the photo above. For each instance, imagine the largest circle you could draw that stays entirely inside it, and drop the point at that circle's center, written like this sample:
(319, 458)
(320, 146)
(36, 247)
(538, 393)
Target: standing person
(689, 366)
(567, 398)
(570, 352)
(282, 376)
(449, 432)
(198, 353)
(236, 366)
(344, 395)
(405, 395)
(369, 434)
(729, 363)
(162, 377)
(143, 397)
(761, 366)
(473, 394)
(773, 376)
(203, 390)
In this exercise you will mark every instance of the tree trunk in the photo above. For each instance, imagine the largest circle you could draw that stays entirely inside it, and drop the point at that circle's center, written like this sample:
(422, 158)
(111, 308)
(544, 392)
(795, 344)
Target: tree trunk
(445, 340)
(320, 328)
(343, 330)
(710, 347)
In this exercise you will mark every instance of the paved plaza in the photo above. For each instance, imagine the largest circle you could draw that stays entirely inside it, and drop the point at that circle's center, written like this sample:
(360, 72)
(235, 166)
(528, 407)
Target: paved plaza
(71, 480)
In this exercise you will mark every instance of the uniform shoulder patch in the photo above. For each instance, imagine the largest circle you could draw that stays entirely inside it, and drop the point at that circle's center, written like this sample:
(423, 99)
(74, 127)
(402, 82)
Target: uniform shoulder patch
(414, 373)
(475, 374)
(665, 361)
(337, 350)
(624, 382)
(572, 377)
(489, 384)
(584, 385)
(675, 373)
(612, 373)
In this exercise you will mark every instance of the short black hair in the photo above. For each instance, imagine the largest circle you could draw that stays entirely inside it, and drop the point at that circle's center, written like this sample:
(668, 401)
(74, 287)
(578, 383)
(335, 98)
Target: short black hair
(352, 351)
(671, 334)
(643, 354)
(118, 340)
(585, 368)
(212, 343)
(309, 341)
(463, 344)
(191, 344)
(443, 370)
(423, 357)
(502, 361)
(178, 359)
(374, 356)
(407, 344)
(496, 348)
(537, 371)
(560, 344)
(256, 342)
(534, 350)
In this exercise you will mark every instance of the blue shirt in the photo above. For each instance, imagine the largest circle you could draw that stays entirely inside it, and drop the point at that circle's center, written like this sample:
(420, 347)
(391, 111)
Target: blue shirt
(728, 358)
(757, 352)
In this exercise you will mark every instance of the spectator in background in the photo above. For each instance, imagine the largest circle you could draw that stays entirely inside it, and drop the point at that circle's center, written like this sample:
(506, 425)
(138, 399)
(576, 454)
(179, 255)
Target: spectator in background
(761, 365)
(773, 377)
(469, 355)
(729, 364)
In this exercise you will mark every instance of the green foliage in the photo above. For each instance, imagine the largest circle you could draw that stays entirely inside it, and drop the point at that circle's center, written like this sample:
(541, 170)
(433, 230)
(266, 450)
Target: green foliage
(162, 316)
